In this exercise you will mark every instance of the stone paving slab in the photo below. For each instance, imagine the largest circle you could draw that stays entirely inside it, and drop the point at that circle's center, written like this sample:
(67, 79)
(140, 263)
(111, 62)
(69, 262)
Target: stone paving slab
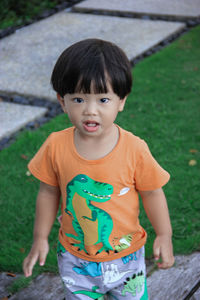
(44, 287)
(6, 279)
(177, 282)
(15, 116)
(179, 9)
(28, 56)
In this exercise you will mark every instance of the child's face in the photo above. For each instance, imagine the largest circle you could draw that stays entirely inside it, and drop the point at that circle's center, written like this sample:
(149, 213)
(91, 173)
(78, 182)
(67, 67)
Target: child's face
(92, 114)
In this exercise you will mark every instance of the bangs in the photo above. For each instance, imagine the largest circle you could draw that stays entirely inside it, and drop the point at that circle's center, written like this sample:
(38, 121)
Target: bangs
(86, 75)
(89, 66)
(92, 83)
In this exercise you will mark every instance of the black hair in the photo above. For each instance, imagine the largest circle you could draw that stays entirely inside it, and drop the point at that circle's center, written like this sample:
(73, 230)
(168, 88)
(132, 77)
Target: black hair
(92, 62)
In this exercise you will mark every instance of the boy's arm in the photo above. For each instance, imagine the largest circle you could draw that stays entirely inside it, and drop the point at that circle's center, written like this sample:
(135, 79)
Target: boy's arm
(155, 205)
(46, 209)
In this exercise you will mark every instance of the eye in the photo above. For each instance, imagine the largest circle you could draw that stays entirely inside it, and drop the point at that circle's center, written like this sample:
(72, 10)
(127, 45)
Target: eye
(104, 100)
(78, 100)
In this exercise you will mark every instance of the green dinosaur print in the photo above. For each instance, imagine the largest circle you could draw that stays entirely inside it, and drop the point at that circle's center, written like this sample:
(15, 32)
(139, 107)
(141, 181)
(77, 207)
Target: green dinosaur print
(91, 224)
(134, 284)
(124, 243)
(60, 248)
(91, 294)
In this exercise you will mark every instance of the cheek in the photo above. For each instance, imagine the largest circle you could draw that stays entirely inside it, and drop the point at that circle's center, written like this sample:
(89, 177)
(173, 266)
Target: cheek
(69, 110)
(111, 115)
(73, 114)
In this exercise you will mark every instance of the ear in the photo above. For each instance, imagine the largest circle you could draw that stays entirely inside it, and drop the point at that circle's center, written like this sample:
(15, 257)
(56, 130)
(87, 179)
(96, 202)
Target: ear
(61, 101)
(122, 103)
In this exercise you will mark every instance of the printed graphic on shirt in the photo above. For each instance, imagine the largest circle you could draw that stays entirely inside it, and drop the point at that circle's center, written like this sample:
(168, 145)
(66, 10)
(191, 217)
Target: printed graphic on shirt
(124, 191)
(134, 285)
(91, 294)
(122, 243)
(60, 248)
(91, 224)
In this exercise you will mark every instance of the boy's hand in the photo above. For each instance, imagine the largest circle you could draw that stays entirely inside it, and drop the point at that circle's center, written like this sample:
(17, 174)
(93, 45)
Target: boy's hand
(39, 253)
(163, 250)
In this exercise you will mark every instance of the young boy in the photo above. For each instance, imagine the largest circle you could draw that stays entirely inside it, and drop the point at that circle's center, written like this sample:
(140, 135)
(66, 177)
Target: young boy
(99, 169)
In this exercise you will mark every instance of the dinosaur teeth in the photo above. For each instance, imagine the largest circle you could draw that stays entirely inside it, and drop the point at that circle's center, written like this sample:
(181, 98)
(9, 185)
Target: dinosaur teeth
(97, 196)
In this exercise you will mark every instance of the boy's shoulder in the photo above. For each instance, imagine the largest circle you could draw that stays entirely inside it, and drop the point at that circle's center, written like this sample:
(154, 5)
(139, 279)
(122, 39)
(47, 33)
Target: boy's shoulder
(62, 134)
(59, 139)
(133, 144)
(129, 137)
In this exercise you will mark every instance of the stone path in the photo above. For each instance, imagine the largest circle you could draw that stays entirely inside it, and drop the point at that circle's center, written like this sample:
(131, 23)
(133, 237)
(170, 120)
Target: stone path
(26, 66)
(27, 56)
(15, 116)
(177, 282)
(26, 61)
(175, 9)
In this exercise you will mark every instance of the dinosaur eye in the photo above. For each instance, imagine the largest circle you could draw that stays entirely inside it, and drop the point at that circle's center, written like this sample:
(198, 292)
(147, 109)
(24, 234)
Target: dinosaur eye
(83, 179)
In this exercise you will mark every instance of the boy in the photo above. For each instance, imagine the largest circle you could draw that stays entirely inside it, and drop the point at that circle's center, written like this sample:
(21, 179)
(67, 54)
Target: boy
(98, 168)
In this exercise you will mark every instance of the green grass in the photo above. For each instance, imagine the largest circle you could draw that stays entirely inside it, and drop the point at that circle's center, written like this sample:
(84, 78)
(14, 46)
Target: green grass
(17, 198)
(16, 13)
(164, 110)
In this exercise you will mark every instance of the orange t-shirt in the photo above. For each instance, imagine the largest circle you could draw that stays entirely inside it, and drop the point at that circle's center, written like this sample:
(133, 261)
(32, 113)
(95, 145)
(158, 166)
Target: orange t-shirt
(100, 205)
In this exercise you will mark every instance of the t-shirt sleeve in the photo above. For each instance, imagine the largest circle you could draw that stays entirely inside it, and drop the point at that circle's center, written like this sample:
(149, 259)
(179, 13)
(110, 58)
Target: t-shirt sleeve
(149, 175)
(42, 164)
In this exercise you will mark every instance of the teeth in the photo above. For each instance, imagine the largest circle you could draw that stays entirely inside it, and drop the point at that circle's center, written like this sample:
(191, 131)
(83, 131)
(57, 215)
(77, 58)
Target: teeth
(91, 124)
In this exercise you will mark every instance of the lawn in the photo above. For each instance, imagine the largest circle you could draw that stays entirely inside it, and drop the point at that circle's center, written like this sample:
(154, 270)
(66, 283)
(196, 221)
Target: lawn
(17, 13)
(163, 109)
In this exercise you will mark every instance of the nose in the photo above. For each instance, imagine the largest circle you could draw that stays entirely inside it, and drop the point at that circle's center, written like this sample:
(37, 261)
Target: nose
(90, 108)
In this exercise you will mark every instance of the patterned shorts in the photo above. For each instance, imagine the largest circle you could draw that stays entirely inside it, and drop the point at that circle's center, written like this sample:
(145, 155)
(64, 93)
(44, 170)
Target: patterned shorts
(123, 278)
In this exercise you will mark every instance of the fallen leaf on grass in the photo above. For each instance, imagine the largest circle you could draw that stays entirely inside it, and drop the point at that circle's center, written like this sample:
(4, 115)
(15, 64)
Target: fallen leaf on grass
(24, 156)
(193, 151)
(11, 274)
(22, 250)
(192, 162)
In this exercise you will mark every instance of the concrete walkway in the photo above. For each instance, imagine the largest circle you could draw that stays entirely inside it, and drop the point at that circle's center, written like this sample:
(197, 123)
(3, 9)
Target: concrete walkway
(28, 56)
(173, 9)
(41, 43)
(26, 61)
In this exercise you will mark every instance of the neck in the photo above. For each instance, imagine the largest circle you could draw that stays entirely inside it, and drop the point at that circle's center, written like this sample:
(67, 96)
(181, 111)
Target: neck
(93, 148)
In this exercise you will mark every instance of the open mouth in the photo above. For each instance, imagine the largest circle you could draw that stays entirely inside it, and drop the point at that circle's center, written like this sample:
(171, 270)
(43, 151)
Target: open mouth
(91, 126)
